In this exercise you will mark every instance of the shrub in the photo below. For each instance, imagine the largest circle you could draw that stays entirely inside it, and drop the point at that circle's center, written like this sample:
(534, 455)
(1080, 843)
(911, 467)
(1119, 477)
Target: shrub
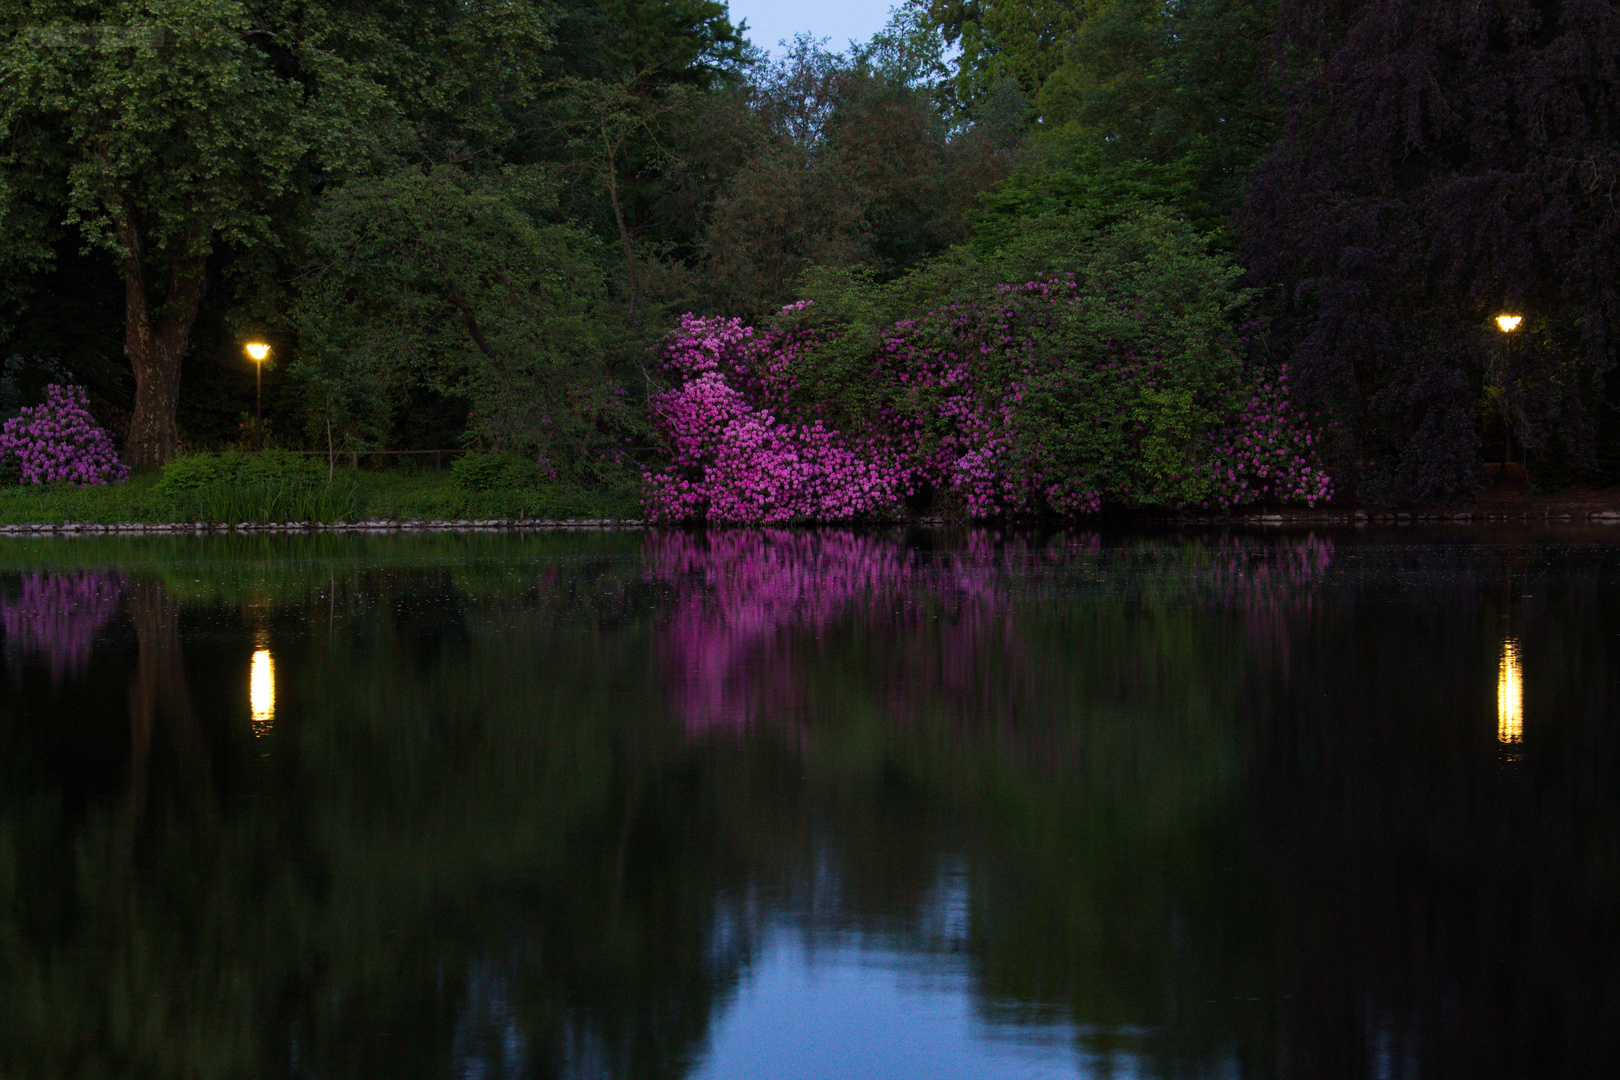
(272, 486)
(480, 471)
(233, 467)
(735, 460)
(59, 441)
(266, 500)
(1121, 383)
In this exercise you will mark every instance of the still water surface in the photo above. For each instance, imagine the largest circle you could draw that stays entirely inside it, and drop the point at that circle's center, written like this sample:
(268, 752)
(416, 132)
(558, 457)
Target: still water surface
(768, 806)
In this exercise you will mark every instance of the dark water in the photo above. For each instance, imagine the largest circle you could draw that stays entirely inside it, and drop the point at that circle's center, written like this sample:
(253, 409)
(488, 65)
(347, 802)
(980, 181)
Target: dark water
(822, 806)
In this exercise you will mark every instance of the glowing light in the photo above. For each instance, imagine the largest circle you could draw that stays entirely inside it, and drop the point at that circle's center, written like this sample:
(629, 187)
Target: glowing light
(1509, 323)
(262, 691)
(1509, 695)
(258, 350)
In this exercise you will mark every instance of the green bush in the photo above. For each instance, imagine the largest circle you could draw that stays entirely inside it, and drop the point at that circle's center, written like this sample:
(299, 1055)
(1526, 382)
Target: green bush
(265, 501)
(479, 472)
(273, 486)
(233, 467)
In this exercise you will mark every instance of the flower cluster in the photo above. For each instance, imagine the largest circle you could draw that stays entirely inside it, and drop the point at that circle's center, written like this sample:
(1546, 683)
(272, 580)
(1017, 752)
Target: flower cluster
(1269, 450)
(59, 440)
(735, 460)
(1039, 400)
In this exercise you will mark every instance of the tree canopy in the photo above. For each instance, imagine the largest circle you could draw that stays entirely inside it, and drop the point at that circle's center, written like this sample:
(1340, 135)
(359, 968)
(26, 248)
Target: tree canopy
(426, 206)
(1441, 163)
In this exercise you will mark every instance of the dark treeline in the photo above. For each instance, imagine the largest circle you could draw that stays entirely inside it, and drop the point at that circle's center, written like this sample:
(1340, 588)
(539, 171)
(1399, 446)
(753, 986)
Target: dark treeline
(472, 224)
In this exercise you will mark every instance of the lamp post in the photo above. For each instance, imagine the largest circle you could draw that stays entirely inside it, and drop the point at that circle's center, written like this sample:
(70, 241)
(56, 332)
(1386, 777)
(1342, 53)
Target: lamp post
(257, 352)
(1507, 324)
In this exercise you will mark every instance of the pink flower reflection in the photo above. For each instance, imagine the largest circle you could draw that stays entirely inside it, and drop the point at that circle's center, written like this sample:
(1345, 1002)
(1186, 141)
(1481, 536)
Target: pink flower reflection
(752, 611)
(58, 615)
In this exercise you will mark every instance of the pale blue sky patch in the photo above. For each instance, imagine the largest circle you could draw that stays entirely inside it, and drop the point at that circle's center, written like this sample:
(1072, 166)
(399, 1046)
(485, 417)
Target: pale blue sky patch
(770, 21)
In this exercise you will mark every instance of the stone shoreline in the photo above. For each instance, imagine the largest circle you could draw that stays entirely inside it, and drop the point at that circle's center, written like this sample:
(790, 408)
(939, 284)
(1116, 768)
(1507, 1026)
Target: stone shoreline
(379, 526)
(1403, 517)
(81, 528)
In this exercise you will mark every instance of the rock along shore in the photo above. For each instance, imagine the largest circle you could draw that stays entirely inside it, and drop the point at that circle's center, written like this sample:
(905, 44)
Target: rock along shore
(411, 525)
(81, 528)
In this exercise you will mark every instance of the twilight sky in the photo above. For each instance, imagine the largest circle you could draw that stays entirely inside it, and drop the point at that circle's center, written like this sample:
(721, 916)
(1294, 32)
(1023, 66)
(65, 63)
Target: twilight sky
(770, 21)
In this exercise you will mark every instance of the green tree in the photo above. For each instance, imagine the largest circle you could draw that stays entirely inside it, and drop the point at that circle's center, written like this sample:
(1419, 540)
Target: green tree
(630, 83)
(451, 281)
(1023, 41)
(856, 161)
(1135, 99)
(173, 134)
(160, 130)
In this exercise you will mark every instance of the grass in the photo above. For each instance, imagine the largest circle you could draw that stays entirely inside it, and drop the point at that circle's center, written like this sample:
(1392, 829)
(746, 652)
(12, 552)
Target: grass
(388, 494)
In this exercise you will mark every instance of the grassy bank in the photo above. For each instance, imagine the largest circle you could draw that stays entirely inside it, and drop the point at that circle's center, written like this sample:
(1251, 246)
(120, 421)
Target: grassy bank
(394, 495)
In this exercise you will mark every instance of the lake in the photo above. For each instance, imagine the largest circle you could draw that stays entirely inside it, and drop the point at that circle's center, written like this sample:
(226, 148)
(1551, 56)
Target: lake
(812, 805)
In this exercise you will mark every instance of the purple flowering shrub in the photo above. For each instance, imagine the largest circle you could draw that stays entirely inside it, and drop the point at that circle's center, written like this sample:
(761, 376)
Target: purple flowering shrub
(1124, 383)
(1271, 449)
(59, 441)
(736, 458)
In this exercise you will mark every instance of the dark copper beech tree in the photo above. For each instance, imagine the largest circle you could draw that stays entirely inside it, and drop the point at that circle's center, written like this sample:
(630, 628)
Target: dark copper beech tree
(1442, 162)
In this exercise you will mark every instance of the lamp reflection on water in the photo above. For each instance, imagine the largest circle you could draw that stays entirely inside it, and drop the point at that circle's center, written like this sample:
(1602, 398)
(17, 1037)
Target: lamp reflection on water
(1509, 695)
(262, 691)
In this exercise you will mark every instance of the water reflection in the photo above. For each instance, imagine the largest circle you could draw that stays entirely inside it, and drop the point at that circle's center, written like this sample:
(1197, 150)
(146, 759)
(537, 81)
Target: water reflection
(1509, 695)
(262, 691)
(58, 615)
(835, 804)
(751, 611)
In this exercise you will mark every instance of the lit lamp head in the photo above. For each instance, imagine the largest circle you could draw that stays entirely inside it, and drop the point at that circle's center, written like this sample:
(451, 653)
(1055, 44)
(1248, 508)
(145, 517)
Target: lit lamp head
(1509, 323)
(257, 351)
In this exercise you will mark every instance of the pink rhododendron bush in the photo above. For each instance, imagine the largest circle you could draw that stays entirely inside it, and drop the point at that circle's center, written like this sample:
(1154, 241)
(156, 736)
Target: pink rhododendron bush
(1128, 382)
(59, 441)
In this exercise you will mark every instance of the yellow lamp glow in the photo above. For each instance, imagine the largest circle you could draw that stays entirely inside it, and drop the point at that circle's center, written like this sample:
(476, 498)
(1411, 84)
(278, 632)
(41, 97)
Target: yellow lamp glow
(257, 350)
(262, 691)
(1509, 323)
(1509, 695)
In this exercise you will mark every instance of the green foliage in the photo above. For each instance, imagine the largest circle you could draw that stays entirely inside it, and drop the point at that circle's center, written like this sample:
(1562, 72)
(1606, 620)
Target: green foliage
(204, 490)
(481, 472)
(268, 487)
(1023, 42)
(272, 501)
(857, 161)
(174, 134)
(437, 497)
(488, 211)
(635, 79)
(189, 474)
(1120, 384)
(1134, 99)
(176, 116)
(451, 282)
(1140, 248)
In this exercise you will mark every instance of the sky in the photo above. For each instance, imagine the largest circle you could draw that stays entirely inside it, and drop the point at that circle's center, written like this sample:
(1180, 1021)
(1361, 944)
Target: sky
(770, 21)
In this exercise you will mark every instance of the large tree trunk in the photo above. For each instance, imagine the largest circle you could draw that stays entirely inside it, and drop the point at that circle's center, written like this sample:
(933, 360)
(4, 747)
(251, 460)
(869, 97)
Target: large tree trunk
(156, 345)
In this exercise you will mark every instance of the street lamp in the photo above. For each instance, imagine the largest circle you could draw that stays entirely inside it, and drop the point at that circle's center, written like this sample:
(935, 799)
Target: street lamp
(1507, 324)
(257, 352)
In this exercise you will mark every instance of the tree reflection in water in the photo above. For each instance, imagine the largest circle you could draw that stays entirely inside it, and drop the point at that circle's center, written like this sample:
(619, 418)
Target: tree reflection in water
(1232, 805)
(750, 610)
